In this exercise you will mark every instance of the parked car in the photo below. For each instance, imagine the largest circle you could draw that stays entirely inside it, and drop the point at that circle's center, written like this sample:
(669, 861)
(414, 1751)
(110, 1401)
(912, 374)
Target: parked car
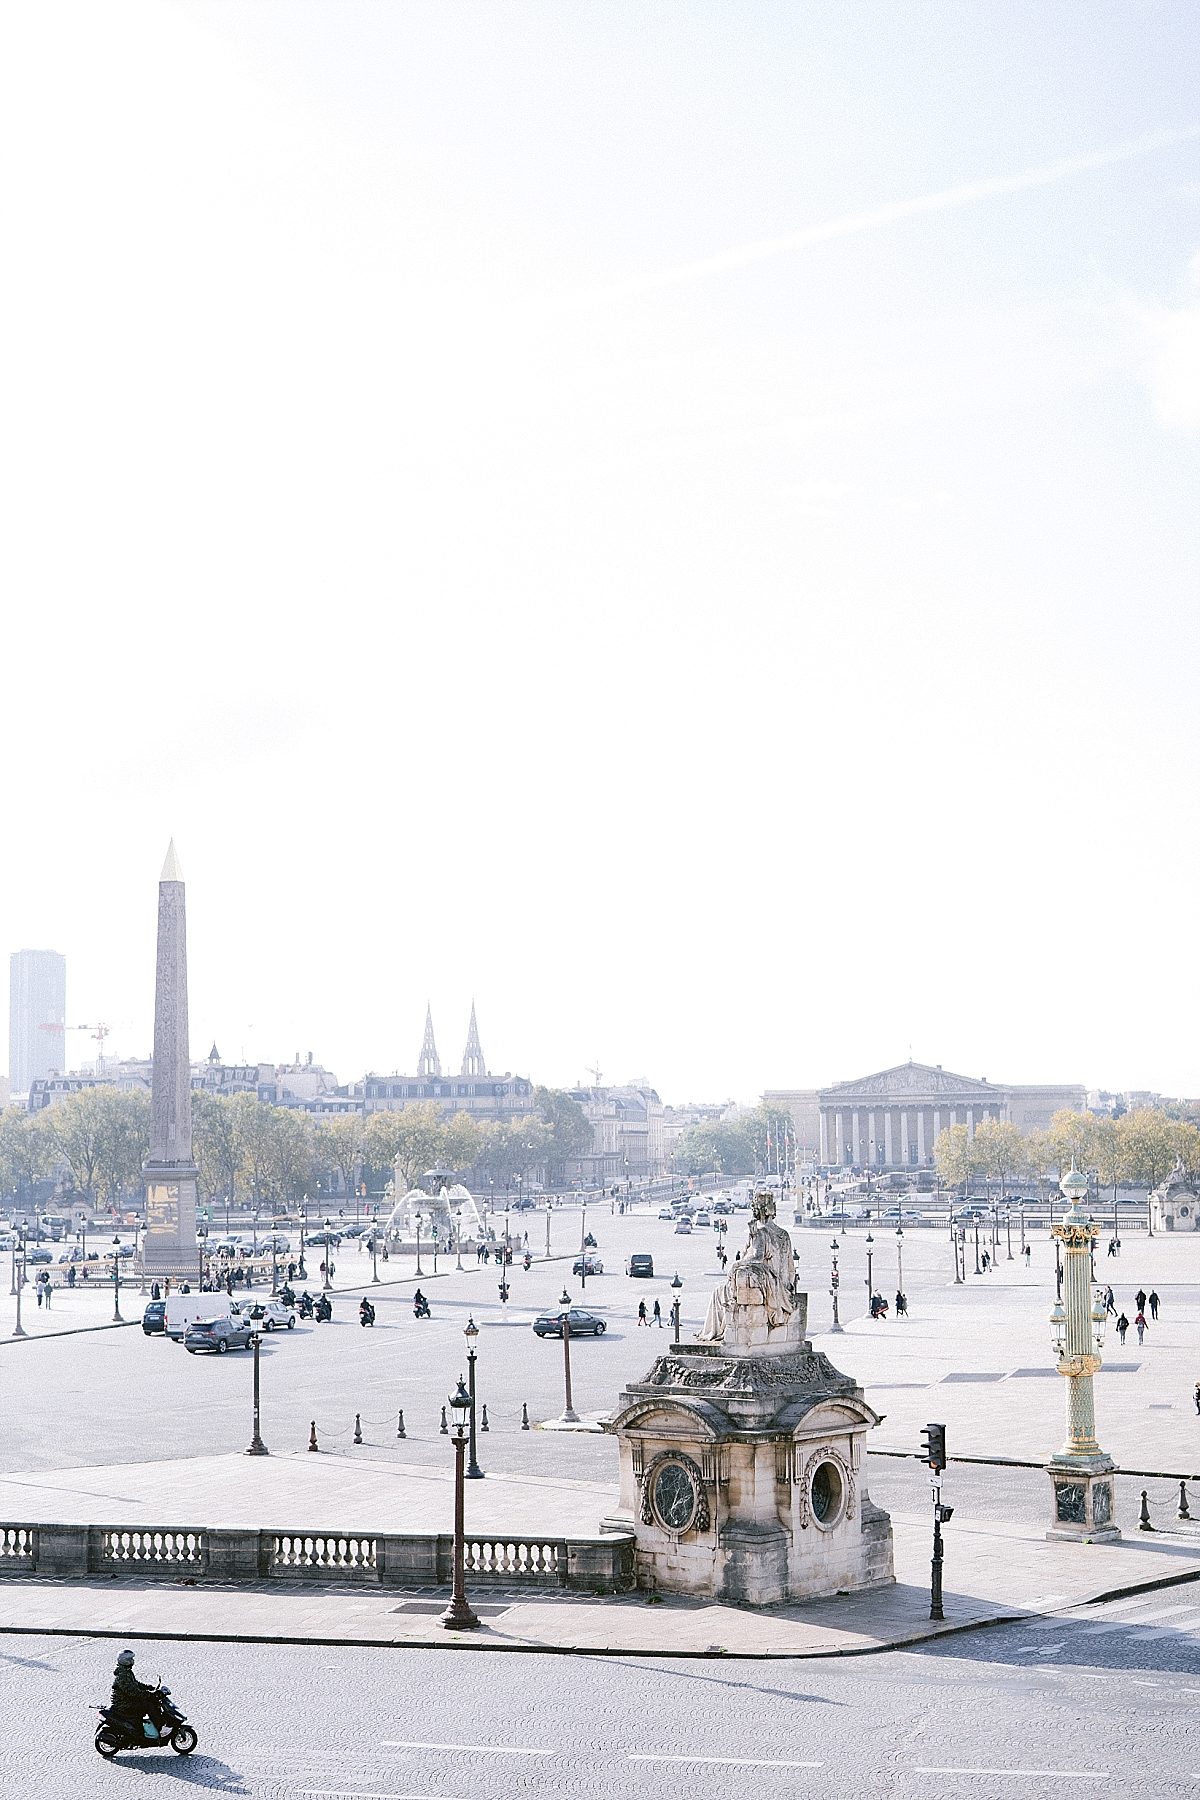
(154, 1318)
(587, 1264)
(640, 1263)
(273, 1313)
(217, 1335)
(579, 1324)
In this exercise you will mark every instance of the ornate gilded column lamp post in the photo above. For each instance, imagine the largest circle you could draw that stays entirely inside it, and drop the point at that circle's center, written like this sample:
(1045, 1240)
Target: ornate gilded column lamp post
(458, 1615)
(117, 1319)
(677, 1290)
(1080, 1473)
(256, 1447)
(834, 1279)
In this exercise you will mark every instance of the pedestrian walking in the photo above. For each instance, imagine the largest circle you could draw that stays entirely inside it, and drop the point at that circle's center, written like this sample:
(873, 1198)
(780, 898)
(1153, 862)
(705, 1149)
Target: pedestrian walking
(658, 1314)
(37, 1288)
(986, 1260)
(1122, 1328)
(642, 1319)
(1140, 1322)
(1198, 1397)
(1110, 1305)
(901, 1305)
(1027, 1253)
(1112, 1246)
(1140, 1299)
(49, 1286)
(1153, 1304)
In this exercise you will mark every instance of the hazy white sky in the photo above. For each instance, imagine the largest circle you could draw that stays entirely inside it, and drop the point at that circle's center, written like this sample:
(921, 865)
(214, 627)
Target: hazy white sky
(678, 521)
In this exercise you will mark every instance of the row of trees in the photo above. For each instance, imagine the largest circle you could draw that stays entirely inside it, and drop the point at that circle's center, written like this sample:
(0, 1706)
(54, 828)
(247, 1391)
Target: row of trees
(744, 1145)
(1138, 1149)
(97, 1140)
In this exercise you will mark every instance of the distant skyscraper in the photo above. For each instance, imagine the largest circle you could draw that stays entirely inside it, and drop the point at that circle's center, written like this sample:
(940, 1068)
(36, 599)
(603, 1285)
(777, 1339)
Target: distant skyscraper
(37, 1016)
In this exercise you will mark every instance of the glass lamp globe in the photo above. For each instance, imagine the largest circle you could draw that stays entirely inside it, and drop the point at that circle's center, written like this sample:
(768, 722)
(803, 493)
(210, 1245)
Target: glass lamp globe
(1058, 1326)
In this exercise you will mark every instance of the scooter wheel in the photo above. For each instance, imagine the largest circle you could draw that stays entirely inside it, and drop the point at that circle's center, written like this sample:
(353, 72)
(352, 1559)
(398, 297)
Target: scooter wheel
(184, 1740)
(107, 1743)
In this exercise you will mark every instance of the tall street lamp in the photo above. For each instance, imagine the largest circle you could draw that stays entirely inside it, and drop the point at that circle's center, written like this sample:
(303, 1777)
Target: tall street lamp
(458, 1237)
(19, 1282)
(1008, 1235)
(834, 1279)
(471, 1332)
(374, 1253)
(978, 1270)
(458, 1615)
(677, 1288)
(327, 1281)
(256, 1446)
(900, 1257)
(116, 1318)
(417, 1222)
(870, 1282)
(569, 1415)
(1080, 1473)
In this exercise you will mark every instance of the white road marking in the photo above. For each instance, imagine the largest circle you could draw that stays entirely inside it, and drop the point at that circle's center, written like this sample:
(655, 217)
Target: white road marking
(1131, 1601)
(1043, 1624)
(1163, 1612)
(1061, 1774)
(471, 1749)
(364, 1794)
(1099, 1630)
(731, 1762)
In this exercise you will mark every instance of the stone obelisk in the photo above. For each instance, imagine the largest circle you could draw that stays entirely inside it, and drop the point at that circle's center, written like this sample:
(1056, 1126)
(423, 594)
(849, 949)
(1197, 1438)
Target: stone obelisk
(169, 1245)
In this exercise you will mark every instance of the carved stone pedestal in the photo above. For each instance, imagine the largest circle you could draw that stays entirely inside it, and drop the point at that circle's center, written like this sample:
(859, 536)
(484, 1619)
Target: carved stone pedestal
(742, 1474)
(1084, 1500)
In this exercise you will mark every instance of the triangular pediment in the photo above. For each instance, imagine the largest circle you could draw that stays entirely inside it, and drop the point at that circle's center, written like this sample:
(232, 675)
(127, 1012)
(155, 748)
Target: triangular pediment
(908, 1081)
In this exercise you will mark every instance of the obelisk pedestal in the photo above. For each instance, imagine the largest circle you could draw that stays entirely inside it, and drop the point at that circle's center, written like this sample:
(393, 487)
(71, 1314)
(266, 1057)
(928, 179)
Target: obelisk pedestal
(169, 1243)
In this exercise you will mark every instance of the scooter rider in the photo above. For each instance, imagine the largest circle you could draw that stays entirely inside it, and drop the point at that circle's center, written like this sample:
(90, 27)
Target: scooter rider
(420, 1305)
(132, 1700)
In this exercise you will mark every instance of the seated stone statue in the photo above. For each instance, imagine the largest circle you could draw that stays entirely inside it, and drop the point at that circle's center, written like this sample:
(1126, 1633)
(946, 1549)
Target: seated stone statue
(757, 1302)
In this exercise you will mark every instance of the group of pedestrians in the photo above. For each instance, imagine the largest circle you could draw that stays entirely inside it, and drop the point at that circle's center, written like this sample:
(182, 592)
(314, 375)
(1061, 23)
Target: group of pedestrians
(1140, 1300)
(645, 1318)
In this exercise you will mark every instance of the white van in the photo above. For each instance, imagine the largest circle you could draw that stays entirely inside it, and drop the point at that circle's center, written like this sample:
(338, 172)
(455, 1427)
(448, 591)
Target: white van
(183, 1308)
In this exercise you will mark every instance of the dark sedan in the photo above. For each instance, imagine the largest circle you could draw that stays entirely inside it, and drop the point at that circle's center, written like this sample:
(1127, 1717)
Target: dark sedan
(581, 1324)
(154, 1318)
(218, 1335)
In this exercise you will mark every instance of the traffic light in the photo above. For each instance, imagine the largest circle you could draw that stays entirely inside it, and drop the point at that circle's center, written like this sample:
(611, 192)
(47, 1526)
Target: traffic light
(933, 1443)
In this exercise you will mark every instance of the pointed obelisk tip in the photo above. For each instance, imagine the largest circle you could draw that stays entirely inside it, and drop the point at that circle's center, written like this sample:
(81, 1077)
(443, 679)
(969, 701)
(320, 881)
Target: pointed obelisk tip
(171, 870)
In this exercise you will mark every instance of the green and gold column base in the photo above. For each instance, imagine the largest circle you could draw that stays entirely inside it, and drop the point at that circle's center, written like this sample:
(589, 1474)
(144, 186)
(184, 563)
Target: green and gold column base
(1083, 1500)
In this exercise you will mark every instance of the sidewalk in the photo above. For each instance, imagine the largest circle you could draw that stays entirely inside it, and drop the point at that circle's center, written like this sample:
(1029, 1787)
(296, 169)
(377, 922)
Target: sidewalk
(993, 1573)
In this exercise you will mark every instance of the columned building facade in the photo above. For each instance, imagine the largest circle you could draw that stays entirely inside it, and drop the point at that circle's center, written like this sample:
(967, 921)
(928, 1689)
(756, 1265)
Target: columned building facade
(891, 1120)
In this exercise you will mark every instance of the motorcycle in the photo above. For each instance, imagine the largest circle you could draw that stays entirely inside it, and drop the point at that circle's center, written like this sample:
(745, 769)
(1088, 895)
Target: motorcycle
(168, 1726)
(527, 1262)
(366, 1313)
(323, 1310)
(306, 1306)
(421, 1310)
(589, 1242)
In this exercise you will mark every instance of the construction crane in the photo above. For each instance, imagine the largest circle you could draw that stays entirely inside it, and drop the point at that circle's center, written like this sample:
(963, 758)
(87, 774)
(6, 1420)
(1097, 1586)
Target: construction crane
(99, 1032)
(594, 1073)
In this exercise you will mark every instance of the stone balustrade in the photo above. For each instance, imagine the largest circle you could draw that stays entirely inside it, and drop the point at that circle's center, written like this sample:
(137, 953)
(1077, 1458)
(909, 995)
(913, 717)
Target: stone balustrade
(601, 1564)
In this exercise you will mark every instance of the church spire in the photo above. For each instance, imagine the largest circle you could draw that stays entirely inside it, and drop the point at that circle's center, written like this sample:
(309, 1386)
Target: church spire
(472, 1062)
(430, 1062)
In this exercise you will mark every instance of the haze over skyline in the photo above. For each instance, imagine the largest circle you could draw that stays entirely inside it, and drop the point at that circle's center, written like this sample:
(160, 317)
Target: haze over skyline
(680, 525)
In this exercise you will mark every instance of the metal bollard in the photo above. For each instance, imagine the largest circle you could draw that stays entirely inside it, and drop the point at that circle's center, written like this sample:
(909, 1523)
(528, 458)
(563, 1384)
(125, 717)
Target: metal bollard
(1183, 1512)
(1144, 1516)
(312, 1436)
(444, 1428)
(358, 1428)
(524, 1415)
(484, 1424)
(400, 1431)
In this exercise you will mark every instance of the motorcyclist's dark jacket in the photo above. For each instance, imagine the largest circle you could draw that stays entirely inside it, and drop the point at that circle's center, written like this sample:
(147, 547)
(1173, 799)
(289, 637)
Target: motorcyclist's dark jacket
(129, 1695)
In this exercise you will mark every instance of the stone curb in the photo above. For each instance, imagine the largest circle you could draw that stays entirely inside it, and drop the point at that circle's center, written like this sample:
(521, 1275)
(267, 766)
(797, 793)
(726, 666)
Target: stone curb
(1020, 1462)
(467, 1641)
(35, 1337)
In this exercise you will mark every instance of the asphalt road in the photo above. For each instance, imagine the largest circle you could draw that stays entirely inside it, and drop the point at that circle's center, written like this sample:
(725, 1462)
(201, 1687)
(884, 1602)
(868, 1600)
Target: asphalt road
(1076, 1709)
